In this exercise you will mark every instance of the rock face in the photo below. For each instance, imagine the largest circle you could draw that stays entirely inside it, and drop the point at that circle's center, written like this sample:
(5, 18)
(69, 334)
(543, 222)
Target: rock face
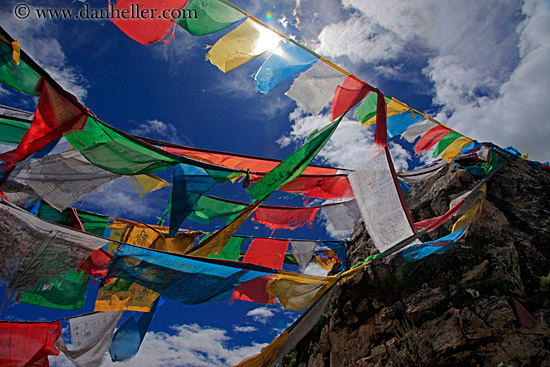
(486, 302)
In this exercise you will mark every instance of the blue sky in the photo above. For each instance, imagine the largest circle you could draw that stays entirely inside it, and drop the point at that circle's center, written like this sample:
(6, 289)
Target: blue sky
(480, 67)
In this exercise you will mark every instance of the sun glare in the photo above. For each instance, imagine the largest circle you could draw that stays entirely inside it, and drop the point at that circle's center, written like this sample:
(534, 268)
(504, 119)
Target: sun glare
(268, 40)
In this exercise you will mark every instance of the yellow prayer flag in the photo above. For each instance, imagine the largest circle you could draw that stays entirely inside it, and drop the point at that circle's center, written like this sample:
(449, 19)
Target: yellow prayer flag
(215, 243)
(296, 292)
(394, 107)
(16, 52)
(267, 355)
(473, 213)
(455, 147)
(144, 184)
(244, 43)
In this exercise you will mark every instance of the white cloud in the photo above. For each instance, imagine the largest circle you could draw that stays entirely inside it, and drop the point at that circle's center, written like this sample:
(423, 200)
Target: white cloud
(261, 314)
(244, 329)
(156, 129)
(185, 346)
(517, 115)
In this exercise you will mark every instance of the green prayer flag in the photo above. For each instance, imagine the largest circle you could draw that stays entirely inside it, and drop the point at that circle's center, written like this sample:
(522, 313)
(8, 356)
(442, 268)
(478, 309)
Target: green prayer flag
(367, 109)
(66, 294)
(117, 152)
(92, 223)
(295, 164)
(12, 131)
(19, 76)
(231, 251)
(445, 142)
(201, 17)
(207, 208)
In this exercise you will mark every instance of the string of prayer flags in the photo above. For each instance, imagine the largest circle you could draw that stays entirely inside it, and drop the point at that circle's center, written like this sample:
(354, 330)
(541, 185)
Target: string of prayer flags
(63, 179)
(91, 337)
(315, 181)
(240, 161)
(287, 60)
(431, 137)
(129, 336)
(147, 21)
(19, 76)
(215, 243)
(379, 200)
(185, 279)
(246, 42)
(204, 17)
(417, 130)
(28, 344)
(304, 252)
(315, 87)
(33, 250)
(264, 252)
(342, 217)
(294, 164)
(351, 92)
(54, 116)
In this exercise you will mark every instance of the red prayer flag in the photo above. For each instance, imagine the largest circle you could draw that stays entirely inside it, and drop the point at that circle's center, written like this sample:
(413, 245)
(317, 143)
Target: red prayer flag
(351, 92)
(285, 217)
(265, 252)
(323, 187)
(381, 132)
(96, 264)
(54, 116)
(28, 344)
(524, 317)
(147, 21)
(431, 137)
(254, 290)
(433, 223)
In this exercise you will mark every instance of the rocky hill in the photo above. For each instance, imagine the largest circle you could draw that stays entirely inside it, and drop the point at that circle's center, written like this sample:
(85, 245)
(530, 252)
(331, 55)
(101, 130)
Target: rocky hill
(486, 302)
